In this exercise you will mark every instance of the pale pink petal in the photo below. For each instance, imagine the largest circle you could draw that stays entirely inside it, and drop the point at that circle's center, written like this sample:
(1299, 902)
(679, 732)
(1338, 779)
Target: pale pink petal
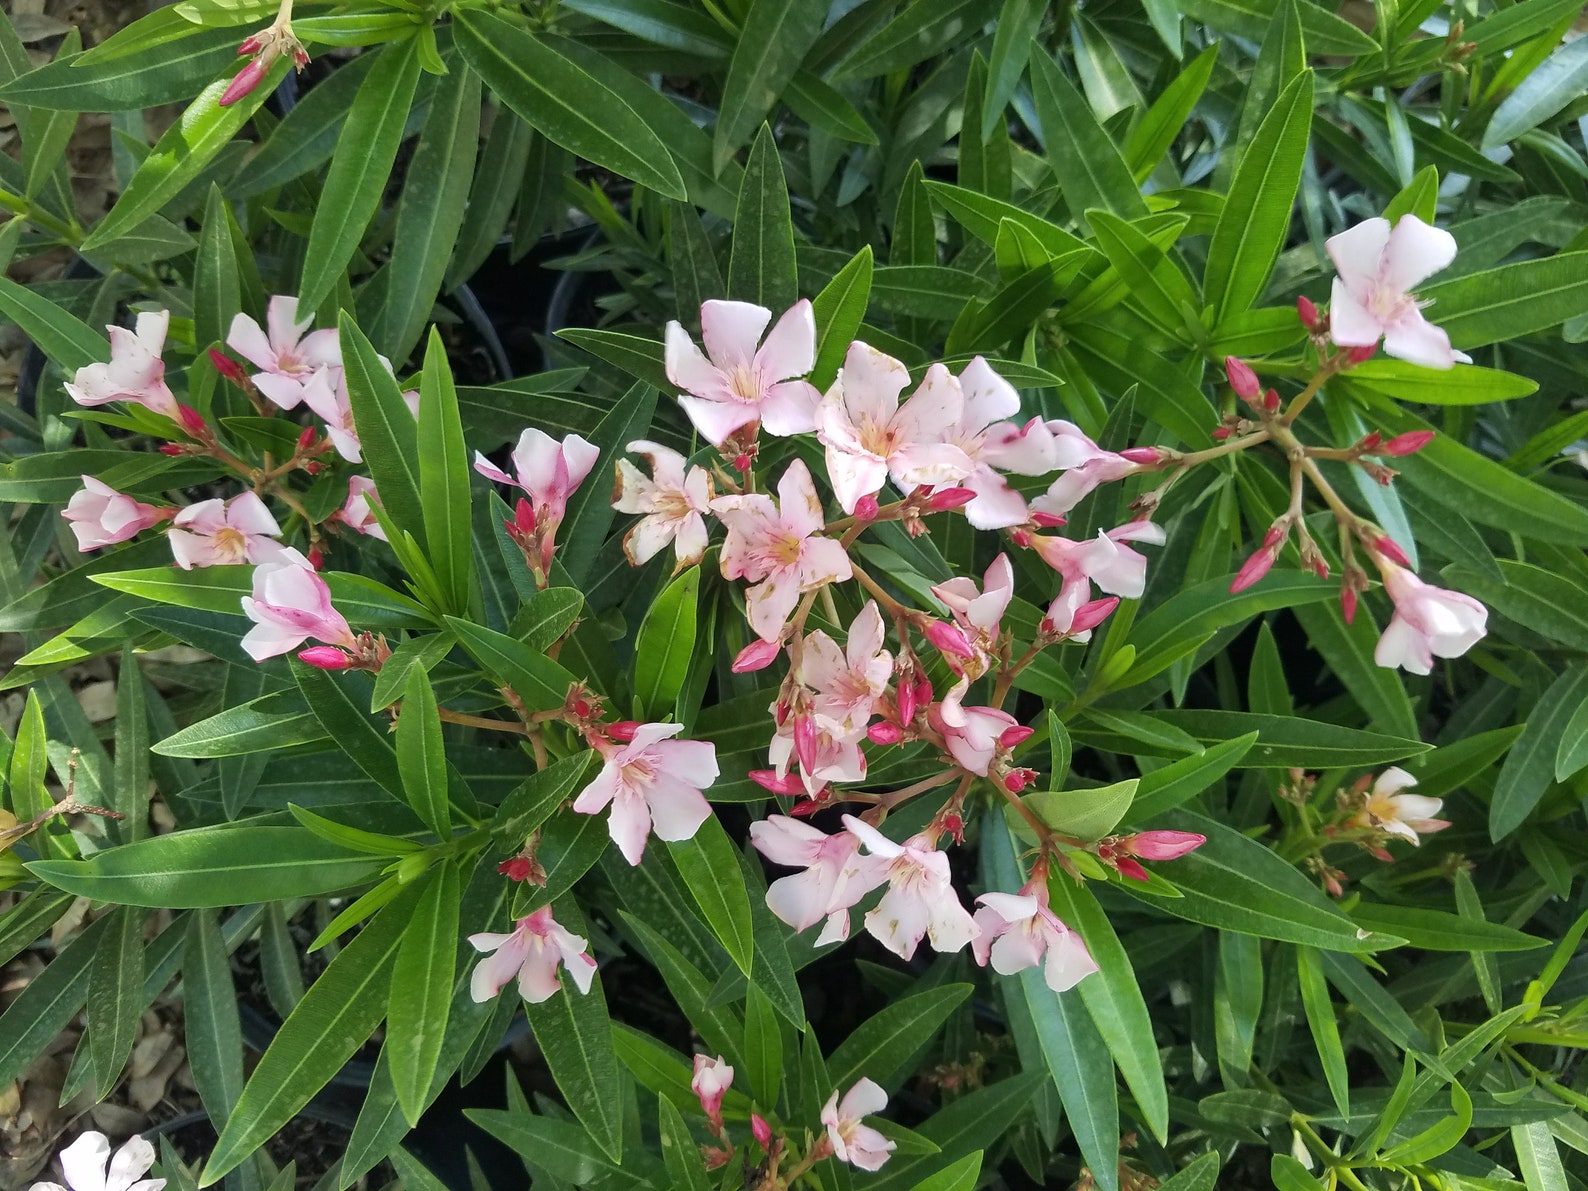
(690, 370)
(989, 397)
(581, 455)
(629, 824)
(649, 537)
(537, 976)
(935, 463)
(268, 640)
(1403, 646)
(803, 899)
(83, 1162)
(1417, 341)
(281, 315)
(129, 1163)
(321, 349)
(206, 517)
(1395, 778)
(996, 505)
(593, 798)
(769, 604)
(491, 472)
(1015, 950)
(1068, 962)
(787, 841)
(731, 331)
(1414, 251)
(716, 420)
(283, 391)
(865, 1099)
(250, 515)
(1410, 807)
(790, 347)
(798, 505)
(899, 922)
(1357, 253)
(790, 408)
(1351, 324)
(247, 339)
(677, 808)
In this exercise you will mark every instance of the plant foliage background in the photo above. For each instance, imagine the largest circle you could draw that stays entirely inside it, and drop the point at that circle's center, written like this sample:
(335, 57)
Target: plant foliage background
(1106, 201)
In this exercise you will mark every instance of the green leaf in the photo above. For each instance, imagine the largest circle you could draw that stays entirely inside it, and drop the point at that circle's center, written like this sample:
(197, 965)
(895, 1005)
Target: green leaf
(1234, 883)
(421, 990)
(1085, 814)
(1284, 742)
(640, 357)
(762, 267)
(360, 167)
(922, 29)
(210, 867)
(1089, 167)
(422, 756)
(181, 155)
(211, 1029)
(1437, 930)
(839, 310)
(1014, 34)
(430, 214)
(710, 869)
(1348, 649)
(1325, 32)
(763, 1046)
(444, 477)
(962, 1176)
(1438, 1138)
(1156, 284)
(685, 1170)
(114, 1001)
(1530, 765)
(696, 277)
(1113, 998)
(880, 1047)
(1511, 301)
(1288, 1174)
(217, 289)
(665, 644)
(48, 133)
(339, 702)
(1201, 1174)
(1533, 597)
(336, 1016)
(1465, 384)
(540, 682)
(1319, 1009)
(388, 434)
(973, 1122)
(1256, 217)
(60, 335)
(772, 44)
(106, 80)
(1154, 134)
(562, 1149)
(1572, 755)
(49, 1001)
(564, 102)
(1562, 78)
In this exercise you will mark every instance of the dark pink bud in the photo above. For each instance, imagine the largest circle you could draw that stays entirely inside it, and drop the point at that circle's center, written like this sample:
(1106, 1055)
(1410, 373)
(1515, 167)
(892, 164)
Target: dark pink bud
(1222, 433)
(314, 467)
(1162, 845)
(228, 367)
(324, 657)
(300, 57)
(192, 421)
(1129, 868)
(1271, 401)
(923, 692)
(623, 731)
(950, 498)
(1020, 538)
(1409, 443)
(172, 448)
(805, 741)
(742, 462)
(768, 779)
(1370, 442)
(1307, 312)
(1091, 614)
(524, 516)
(1388, 547)
(251, 45)
(246, 80)
(866, 508)
(907, 702)
(949, 638)
(762, 1131)
(757, 655)
(1275, 535)
(1047, 520)
(1348, 602)
(316, 556)
(1317, 566)
(1360, 355)
(1017, 780)
(516, 869)
(806, 807)
(1242, 379)
(306, 439)
(1013, 735)
(1144, 455)
(885, 733)
(1253, 569)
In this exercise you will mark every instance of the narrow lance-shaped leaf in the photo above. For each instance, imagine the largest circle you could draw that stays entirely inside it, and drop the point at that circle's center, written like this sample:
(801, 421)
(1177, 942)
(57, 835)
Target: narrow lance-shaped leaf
(421, 990)
(762, 267)
(421, 754)
(444, 477)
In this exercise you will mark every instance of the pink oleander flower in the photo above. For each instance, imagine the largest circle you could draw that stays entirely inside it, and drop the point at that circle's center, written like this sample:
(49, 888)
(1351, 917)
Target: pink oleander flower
(1085, 464)
(530, 954)
(217, 533)
(836, 875)
(101, 516)
(1372, 296)
(356, 513)
(827, 758)
(325, 393)
(920, 900)
(870, 436)
(979, 614)
(710, 1083)
(290, 604)
(1019, 931)
(673, 502)
(741, 380)
(777, 546)
(991, 441)
(1103, 560)
(973, 734)
(1160, 845)
(135, 373)
(651, 781)
(286, 357)
(1408, 816)
(548, 471)
(848, 681)
(1429, 622)
(89, 1166)
(855, 1143)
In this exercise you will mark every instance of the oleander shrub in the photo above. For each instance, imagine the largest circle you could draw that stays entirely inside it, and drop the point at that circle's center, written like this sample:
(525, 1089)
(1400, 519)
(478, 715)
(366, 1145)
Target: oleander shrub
(934, 594)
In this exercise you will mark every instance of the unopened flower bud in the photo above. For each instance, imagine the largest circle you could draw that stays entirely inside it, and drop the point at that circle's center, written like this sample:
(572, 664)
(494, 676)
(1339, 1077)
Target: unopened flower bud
(1307, 312)
(742, 462)
(317, 556)
(314, 467)
(1242, 379)
(524, 517)
(1093, 613)
(1143, 455)
(324, 657)
(1161, 845)
(172, 448)
(761, 1130)
(228, 367)
(623, 731)
(1271, 401)
(192, 421)
(1047, 520)
(1222, 433)
(1020, 538)
(757, 655)
(1013, 735)
(1390, 549)
(1128, 867)
(1348, 602)
(1360, 355)
(805, 741)
(1409, 443)
(866, 508)
(245, 81)
(517, 868)
(251, 45)
(949, 638)
(885, 733)
(768, 779)
(950, 498)
(1253, 569)
(907, 703)
(1370, 442)
(1017, 780)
